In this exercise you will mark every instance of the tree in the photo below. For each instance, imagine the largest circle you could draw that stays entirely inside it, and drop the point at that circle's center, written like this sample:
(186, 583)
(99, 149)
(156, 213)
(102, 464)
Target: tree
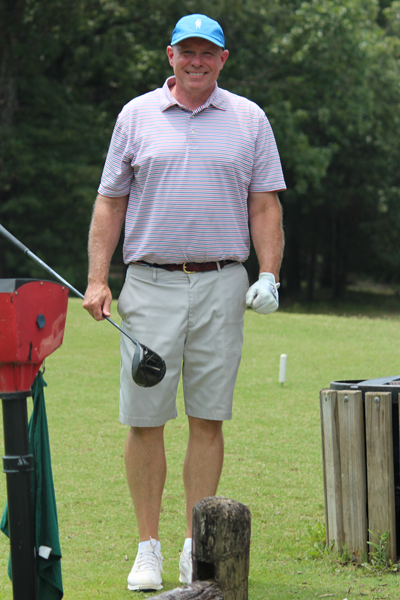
(325, 71)
(318, 69)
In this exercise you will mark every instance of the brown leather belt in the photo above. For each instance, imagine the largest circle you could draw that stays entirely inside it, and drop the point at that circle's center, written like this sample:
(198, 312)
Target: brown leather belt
(189, 267)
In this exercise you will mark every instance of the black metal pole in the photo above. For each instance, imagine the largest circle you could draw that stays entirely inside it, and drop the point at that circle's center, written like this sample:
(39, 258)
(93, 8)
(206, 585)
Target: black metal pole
(18, 466)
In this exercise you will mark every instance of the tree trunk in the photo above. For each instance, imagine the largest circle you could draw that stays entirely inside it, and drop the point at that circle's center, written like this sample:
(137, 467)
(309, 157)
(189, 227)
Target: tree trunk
(291, 267)
(11, 17)
(334, 256)
(312, 259)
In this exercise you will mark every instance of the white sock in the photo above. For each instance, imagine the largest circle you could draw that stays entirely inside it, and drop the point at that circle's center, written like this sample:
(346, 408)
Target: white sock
(188, 544)
(142, 544)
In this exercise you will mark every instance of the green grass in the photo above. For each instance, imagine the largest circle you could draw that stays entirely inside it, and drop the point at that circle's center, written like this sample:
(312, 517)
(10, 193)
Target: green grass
(272, 462)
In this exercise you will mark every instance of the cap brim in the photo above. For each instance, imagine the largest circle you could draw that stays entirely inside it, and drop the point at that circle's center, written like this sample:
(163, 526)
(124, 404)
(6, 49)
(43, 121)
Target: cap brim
(198, 35)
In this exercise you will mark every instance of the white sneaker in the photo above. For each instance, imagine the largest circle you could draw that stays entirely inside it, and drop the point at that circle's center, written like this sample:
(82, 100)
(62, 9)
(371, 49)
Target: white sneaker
(185, 567)
(146, 570)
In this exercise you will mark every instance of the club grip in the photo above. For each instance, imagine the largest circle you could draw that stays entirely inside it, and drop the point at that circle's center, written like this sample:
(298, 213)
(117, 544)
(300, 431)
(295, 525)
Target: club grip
(13, 239)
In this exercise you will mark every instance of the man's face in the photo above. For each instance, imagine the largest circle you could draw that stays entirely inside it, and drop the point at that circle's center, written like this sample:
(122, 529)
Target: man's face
(197, 64)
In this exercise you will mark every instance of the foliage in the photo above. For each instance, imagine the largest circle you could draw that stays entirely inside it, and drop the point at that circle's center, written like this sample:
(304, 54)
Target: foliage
(342, 63)
(378, 556)
(319, 548)
(325, 71)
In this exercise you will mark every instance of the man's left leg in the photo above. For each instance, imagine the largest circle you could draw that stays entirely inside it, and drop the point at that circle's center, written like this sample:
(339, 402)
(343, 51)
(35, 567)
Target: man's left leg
(201, 472)
(203, 463)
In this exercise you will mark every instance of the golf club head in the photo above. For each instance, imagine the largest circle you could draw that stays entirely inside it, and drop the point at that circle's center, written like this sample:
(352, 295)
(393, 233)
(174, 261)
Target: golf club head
(148, 368)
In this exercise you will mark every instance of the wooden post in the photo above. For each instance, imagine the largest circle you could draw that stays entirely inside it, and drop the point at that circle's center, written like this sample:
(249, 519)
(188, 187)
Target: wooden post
(380, 469)
(221, 545)
(353, 470)
(358, 470)
(332, 469)
(221, 552)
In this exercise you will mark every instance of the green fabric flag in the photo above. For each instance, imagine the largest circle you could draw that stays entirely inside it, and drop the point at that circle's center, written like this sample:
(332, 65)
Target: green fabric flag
(49, 578)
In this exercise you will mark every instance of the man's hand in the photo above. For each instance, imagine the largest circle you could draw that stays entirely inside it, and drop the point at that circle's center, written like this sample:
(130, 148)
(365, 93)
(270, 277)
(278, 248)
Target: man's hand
(263, 295)
(98, 300)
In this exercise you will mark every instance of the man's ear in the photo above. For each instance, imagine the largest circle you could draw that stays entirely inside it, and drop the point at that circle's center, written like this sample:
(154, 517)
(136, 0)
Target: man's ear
(170, 54)
(224, 57)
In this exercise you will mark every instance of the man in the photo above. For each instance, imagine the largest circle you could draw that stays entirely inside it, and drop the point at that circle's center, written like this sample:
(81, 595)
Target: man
(189, 164)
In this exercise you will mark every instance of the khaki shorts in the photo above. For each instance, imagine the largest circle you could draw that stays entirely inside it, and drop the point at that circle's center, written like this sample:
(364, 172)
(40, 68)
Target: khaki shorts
(195, 322)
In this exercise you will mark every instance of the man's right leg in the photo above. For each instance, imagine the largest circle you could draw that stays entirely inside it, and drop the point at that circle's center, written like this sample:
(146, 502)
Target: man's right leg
(146, 471)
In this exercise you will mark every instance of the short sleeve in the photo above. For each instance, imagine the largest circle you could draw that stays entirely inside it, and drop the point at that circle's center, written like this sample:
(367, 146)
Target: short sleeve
(267, 175)
(117, 174)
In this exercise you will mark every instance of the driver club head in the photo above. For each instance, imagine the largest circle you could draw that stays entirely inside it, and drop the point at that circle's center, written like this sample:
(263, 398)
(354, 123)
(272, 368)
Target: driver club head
(148, 368)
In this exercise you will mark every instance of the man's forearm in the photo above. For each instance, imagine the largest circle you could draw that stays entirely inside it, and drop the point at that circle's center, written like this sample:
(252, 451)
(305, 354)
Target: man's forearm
(105, 229)
(265, 216)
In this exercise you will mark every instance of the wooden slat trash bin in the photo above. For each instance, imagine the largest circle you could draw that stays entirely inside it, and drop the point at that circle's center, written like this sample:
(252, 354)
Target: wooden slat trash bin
(221, 552)
(358, 465)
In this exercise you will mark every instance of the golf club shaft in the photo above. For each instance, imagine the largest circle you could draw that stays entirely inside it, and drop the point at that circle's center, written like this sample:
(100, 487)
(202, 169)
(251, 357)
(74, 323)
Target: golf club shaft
(33, 256)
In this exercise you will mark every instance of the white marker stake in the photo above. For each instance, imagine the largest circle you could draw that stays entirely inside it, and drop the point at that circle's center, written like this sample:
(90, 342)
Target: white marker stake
(282, 369)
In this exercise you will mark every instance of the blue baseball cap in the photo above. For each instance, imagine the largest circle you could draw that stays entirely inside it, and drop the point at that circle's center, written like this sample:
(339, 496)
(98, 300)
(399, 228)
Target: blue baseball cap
(199, 26)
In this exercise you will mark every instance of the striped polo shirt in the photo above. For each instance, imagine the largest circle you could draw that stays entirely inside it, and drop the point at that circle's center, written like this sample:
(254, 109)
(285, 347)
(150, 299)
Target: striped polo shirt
(188, 175)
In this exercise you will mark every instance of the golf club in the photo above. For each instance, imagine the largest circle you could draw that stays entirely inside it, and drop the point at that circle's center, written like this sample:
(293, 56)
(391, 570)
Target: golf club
(148, 368)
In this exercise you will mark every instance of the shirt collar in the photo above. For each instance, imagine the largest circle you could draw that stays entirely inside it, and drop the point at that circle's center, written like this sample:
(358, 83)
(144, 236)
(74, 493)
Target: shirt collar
(167, 100)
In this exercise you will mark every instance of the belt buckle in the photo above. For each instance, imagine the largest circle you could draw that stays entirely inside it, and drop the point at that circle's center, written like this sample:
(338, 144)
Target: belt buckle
(185, 270)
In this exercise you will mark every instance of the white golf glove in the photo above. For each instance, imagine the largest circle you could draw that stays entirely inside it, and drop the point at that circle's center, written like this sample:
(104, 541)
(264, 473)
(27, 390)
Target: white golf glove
(263, 295)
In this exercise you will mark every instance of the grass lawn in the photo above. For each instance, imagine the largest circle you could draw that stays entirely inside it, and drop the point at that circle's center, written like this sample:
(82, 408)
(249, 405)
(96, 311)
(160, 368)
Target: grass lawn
(272, 462)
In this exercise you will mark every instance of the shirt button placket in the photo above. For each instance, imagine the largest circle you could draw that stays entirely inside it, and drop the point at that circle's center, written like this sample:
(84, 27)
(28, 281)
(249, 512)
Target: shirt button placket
(192, 135)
